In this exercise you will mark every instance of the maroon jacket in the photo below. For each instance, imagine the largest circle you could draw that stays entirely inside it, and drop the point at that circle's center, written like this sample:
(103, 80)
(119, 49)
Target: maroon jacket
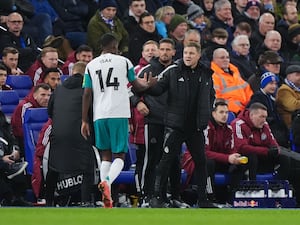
(249, 139)
(218, 142)
(37, 178)
(68, 65)
(137, 120)
(18, 114)
(36, 72)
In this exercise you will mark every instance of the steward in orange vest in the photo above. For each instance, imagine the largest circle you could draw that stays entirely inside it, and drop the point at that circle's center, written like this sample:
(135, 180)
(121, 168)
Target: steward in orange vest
(228, 82)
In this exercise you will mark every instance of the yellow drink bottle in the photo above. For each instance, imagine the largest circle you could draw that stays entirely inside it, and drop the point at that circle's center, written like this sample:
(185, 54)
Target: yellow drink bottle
(243, 159)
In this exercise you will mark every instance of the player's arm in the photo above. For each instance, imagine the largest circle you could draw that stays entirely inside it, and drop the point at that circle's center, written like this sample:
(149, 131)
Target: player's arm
(139, 84)
(86, 102)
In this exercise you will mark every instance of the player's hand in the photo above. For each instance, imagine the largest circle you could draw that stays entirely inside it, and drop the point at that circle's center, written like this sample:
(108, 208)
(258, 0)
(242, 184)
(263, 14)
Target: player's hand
(85, 130)
(151, 80)
(234, 158)
(131, 128)
(8, 159)
(142, 108)
(273, 151)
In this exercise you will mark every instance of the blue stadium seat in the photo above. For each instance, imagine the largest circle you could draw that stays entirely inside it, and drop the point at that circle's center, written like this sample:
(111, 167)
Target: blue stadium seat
(125, 177)
(22, 84)
(9, 101)
(34, 119)
(224, 178)
(266, 176)
(294, 147)
(231, 117)
(127, 174)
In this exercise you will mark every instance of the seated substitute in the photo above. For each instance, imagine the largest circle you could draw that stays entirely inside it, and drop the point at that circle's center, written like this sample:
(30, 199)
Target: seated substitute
(219, 148)
(12, 179)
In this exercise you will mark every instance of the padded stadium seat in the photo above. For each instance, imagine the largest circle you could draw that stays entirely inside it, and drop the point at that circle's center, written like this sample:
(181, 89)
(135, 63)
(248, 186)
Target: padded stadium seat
(266, 176)
(8, 101)
(127, 174)
(63, 77)
(34, 119)
(125, 177)
(22, 84)
(222, 179)
(231, 117)
(294, 147)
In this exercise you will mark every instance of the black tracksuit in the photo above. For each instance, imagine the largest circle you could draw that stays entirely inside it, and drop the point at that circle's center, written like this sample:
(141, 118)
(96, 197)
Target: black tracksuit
(154, 132)
(190, 96)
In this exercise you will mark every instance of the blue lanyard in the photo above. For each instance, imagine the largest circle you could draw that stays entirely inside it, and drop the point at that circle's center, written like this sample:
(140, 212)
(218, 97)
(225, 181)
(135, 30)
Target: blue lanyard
(22, 42)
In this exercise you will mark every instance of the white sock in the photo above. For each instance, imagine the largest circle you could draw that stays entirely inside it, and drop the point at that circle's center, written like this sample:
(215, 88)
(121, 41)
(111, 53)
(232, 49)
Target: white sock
(104, 170)
(115, 169)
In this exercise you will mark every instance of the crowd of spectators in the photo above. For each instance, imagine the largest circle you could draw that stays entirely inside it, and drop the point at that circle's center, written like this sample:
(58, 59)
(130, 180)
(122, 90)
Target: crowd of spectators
(251, 48)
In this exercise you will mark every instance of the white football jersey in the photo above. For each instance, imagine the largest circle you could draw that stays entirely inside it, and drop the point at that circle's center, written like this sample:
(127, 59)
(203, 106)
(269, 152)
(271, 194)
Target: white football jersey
(108, 75)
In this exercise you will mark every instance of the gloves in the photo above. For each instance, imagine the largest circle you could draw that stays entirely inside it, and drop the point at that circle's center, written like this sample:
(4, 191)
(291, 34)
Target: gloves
(273, 151)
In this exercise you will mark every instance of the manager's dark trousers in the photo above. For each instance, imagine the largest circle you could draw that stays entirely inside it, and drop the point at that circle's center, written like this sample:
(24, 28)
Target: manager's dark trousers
(173, 140)
(154, 137)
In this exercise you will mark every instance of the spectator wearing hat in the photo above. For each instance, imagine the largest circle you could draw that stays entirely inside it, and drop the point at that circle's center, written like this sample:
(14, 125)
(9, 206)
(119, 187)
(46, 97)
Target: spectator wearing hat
(198, 21)
(195, 16)
(163, 17)
(289, 18)
(268, 61)
(105, 21)
(251, 14)
(294, 41)
(223, 18)
(266, 96)
(176, 30)
(288, 95)
(145, 32)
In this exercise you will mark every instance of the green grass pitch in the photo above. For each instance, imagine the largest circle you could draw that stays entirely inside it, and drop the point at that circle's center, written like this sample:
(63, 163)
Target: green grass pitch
(137, 216)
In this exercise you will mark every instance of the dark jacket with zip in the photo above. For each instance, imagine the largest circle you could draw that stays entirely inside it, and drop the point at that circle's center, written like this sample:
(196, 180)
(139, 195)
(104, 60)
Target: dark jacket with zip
(180, 83)
(69, 151)
(156, 104)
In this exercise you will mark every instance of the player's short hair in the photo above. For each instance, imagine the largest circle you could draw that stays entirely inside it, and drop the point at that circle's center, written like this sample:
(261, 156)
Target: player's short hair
(107, 39)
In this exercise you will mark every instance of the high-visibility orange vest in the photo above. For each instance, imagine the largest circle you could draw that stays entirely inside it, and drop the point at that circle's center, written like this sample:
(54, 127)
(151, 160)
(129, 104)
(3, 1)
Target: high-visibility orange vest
(231, 87)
